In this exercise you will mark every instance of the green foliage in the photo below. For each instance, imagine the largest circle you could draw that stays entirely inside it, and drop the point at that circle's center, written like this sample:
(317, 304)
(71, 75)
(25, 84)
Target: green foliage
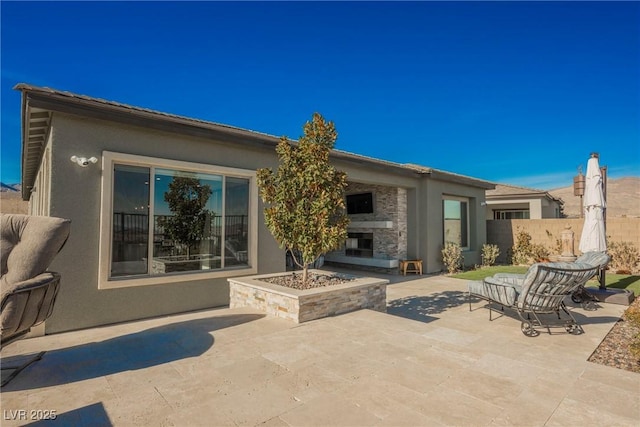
(490, 254)
(452, 257)
(304, 198)
(624, 257)
(524, 252)
(187, 199)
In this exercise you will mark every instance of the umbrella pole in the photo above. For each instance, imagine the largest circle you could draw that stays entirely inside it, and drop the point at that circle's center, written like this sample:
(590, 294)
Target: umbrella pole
(603, 174)
(601, 279)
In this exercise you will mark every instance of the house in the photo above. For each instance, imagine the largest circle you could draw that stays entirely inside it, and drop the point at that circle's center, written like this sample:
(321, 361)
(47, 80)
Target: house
(120, 173)
(511, 202)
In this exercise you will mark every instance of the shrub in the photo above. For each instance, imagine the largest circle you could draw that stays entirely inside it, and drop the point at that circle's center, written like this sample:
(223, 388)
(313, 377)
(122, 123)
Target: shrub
(524, 252)
(452, 257)
(556, 245)
(539, 253)
(489, 254)
(624, 257)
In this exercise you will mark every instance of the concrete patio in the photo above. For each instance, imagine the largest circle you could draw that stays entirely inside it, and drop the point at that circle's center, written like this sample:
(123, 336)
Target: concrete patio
(428, 361)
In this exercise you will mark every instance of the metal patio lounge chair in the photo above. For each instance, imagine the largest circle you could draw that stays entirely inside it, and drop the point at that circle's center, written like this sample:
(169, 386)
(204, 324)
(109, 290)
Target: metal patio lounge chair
(28, 292)
(539, 292)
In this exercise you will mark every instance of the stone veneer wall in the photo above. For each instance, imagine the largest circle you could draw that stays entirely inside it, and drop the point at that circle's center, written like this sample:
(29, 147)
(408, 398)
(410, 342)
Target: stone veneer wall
(303, 306)
(389, 204)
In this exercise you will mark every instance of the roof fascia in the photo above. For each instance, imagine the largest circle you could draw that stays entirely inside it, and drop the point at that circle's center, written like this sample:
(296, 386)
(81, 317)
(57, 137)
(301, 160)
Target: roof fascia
(461, 179)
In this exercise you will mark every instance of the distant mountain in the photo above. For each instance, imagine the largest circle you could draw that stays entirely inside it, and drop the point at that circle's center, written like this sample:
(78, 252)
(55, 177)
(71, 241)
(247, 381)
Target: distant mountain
(623, 198)
(10, 187)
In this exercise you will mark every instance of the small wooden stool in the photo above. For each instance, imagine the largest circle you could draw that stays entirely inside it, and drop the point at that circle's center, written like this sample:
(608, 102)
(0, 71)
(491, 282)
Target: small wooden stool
(416, 265)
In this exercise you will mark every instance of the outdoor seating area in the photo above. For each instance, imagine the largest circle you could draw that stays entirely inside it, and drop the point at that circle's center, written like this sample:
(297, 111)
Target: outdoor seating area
(426, 361)
(540, 291)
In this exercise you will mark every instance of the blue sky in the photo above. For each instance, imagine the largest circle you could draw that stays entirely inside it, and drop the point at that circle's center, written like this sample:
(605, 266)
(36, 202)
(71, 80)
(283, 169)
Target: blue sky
(511, 92)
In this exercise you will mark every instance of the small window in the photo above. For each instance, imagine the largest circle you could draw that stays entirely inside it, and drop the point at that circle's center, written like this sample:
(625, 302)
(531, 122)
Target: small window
(511, 214)
(359, 203)
(456, 221)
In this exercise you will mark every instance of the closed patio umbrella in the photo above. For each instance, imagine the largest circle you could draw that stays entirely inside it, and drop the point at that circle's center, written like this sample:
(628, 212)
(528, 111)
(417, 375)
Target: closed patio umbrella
(594, 236)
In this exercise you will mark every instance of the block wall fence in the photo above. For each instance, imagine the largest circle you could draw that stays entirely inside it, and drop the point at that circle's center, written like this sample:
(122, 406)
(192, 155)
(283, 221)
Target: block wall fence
(545, 232)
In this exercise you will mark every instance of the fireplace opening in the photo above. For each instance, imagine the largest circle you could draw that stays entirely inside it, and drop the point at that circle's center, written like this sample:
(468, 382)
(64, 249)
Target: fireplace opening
(360, 245)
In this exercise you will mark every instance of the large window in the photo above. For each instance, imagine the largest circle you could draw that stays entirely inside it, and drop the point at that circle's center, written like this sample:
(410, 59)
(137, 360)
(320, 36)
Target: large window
(456, 221)
(174, 218)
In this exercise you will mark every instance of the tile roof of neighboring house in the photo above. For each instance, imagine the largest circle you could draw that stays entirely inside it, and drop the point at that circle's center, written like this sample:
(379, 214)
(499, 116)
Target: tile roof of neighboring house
(502, 191)
(39, 102)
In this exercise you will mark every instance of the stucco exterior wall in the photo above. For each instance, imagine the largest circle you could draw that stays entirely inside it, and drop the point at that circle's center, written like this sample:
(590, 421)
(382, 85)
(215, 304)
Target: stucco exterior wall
(76, 193)
(431, 219)
(545, 231)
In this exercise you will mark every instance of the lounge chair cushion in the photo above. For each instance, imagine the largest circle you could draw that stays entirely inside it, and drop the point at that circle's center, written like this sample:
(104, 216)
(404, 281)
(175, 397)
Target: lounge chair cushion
(504, 292)
(28, 245)
(595, 259)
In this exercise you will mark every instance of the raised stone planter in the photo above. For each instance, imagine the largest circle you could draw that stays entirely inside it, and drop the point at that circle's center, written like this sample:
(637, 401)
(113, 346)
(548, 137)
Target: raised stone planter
(309, 304)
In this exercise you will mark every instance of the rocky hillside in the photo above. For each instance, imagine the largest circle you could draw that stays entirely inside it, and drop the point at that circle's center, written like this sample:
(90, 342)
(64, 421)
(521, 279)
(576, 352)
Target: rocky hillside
(9, 188)
(623, 198)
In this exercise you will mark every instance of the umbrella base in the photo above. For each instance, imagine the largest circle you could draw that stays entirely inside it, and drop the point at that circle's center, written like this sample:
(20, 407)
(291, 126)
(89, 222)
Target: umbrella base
(612, 296)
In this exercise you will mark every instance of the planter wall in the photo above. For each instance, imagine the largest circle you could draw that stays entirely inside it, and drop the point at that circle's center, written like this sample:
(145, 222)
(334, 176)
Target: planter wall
(304, 305)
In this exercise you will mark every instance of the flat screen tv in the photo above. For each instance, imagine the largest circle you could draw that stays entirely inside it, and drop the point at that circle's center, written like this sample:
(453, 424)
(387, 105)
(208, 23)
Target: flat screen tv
(359, 203)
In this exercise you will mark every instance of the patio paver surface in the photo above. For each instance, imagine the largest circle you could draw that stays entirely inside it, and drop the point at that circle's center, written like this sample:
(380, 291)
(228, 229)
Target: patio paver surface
(428, 361)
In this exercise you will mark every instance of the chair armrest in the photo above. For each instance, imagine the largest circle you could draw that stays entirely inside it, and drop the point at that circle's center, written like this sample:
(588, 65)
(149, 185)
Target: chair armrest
(41, 280)
(27, 303)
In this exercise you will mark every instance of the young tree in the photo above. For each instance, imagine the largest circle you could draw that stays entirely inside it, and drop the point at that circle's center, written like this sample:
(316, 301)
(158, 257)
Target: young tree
(187, 199)
(304, 198)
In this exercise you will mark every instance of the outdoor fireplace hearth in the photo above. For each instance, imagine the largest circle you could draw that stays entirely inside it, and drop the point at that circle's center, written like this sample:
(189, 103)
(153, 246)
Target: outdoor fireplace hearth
(359, 245)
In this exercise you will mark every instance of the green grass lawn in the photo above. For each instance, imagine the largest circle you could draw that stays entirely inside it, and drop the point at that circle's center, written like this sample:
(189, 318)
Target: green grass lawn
(618, 281)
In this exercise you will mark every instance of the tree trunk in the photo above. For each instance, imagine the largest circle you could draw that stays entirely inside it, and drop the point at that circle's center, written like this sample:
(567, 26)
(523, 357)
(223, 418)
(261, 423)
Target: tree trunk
(305, 273)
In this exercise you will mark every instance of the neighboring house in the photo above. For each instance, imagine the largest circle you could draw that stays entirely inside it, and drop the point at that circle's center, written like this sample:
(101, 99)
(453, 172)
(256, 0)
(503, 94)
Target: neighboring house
(129, 258)
(511, 202)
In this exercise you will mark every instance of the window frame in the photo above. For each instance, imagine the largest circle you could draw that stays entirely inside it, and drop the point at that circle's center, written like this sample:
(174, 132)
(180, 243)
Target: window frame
(526, 214)
(466, 200)
(109, 159)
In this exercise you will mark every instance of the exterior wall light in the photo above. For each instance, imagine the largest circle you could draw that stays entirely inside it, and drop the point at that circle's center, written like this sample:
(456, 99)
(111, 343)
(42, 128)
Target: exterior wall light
(83, 161)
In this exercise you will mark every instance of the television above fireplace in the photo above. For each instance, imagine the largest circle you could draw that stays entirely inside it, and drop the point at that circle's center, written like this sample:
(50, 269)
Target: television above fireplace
(360, 203)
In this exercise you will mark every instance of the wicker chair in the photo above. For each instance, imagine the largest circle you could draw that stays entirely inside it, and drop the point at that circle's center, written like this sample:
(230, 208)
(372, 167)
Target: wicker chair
(28, 292)
(539, 292)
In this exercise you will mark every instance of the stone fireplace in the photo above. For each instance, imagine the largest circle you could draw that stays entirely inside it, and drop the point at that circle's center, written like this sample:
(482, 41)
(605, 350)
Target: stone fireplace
(377, 233)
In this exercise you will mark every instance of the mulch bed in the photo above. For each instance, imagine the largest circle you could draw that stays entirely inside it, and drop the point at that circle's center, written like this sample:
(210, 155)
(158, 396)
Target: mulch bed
(294, 280)
(614, 349)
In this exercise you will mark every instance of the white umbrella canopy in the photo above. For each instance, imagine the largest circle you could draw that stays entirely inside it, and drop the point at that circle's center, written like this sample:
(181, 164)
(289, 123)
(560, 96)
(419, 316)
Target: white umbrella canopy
(594, 236)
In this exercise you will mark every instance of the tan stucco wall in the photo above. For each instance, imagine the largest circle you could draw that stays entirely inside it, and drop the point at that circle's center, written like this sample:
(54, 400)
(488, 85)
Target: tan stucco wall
(544, 231)
(12, 203)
